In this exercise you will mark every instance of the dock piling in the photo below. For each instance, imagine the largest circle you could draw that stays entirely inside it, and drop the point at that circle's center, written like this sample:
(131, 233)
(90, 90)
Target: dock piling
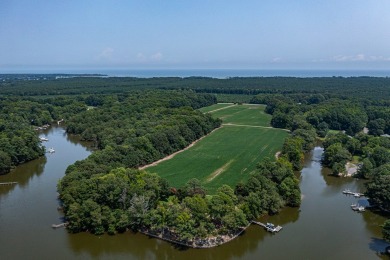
(8, 183)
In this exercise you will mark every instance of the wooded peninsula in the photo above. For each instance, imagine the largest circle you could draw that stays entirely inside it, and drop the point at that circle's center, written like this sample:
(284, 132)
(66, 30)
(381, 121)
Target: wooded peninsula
(133, 122)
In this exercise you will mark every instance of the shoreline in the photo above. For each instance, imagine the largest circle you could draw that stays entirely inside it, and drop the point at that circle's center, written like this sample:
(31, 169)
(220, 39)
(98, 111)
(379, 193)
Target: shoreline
(198, 243)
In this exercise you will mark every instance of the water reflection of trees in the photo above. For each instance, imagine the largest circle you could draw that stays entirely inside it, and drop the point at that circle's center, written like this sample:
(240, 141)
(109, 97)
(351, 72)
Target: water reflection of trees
(374, 220)
(75, 139)
(23, 174)
(287, 215)
(379, 246)
(139, 246)
(335, 183)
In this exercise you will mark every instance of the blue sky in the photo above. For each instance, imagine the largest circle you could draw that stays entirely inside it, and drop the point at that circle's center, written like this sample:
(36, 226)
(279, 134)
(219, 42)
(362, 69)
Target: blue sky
(275, 34)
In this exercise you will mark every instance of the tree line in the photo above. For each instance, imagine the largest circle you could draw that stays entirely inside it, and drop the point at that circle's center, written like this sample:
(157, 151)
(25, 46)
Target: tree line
(338, 87)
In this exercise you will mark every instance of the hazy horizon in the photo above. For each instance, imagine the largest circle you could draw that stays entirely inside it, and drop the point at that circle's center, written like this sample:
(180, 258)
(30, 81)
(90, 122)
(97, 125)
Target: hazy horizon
(275, 35)
(211, 73)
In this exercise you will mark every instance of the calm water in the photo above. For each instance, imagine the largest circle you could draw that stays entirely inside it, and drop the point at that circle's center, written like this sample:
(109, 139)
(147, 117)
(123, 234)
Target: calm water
(214, 73)
(323, 228)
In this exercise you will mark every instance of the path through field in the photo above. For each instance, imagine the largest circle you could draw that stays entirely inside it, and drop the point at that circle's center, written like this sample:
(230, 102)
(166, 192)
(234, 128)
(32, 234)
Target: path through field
(212, 111)
(256, 126)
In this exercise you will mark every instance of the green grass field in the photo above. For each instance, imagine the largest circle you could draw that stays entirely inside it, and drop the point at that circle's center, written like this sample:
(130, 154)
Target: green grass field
(229, 154)
(253, 115)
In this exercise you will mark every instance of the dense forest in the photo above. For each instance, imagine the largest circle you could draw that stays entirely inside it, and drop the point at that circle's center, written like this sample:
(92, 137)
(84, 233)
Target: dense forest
(134, 121)
(337, 87)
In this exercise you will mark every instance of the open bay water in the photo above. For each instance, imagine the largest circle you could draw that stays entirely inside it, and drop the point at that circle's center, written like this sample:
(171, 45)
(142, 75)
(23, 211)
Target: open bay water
(228, 73)
(212, 73)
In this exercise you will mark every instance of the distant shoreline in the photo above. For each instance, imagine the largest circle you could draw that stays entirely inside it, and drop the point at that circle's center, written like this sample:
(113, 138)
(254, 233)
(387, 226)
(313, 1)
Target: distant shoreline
(211, 73)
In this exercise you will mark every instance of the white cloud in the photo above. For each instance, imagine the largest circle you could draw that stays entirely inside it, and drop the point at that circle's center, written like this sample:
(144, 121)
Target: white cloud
(106, 54)
(156, 57)
(277, 60)
(141, 57)
(358, 57)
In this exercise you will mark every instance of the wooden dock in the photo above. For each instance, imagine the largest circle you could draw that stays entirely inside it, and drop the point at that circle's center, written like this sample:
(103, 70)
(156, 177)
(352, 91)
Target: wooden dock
(59, 225)
(8, 183)
(355, 194)
(269, 226)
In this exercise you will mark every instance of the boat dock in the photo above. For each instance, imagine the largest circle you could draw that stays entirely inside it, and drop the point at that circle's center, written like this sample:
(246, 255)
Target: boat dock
(8, 183)
(355, 194)
(358, 208)
(59, 225)
(268, 226)
(51, 150)
(44, 127)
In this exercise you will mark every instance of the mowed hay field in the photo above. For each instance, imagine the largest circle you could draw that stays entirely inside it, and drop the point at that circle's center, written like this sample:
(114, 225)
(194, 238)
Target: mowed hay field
(226, 156)
(243, 115)
(229, 154)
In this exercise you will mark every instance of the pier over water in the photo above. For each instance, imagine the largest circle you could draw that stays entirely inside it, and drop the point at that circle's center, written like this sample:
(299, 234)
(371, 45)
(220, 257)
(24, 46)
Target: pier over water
(269, 226)
(8, 183)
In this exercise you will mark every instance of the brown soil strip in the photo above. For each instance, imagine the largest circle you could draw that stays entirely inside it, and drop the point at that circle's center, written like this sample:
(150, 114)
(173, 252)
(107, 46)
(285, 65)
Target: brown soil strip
(257, 126)
(264, 147)
(219, 171)
(212, 111)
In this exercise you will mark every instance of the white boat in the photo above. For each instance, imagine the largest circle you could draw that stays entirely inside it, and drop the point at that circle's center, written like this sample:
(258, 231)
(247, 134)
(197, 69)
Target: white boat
(356, 207)
(361, 209)
(272, 228)
(43, 139)
(51, 150)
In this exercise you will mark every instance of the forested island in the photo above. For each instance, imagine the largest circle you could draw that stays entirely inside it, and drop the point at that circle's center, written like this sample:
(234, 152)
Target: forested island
(133, 122)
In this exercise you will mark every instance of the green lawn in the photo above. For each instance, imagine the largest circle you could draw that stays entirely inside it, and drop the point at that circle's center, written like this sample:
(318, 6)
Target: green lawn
(333, 132)
(226, 156)
(244, 115)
